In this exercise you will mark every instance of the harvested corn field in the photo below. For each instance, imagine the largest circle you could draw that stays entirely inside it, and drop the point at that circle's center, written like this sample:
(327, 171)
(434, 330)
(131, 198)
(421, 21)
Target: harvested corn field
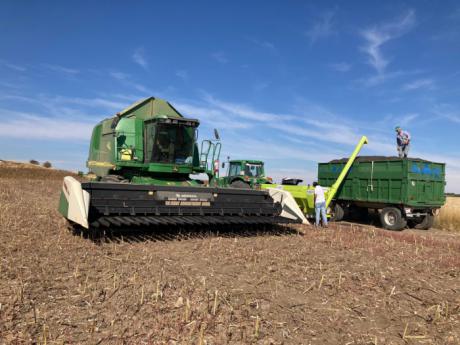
(348, 284)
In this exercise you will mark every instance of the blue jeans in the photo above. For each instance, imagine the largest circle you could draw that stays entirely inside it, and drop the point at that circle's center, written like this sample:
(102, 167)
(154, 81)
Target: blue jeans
(320, 207)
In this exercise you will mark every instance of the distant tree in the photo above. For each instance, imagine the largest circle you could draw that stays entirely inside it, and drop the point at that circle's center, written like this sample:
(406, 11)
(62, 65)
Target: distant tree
(34, 162)
(47, 164)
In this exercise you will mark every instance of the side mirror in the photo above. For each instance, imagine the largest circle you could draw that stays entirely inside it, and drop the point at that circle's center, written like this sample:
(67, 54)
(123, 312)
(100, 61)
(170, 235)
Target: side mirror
(216, 134)
(223, 165)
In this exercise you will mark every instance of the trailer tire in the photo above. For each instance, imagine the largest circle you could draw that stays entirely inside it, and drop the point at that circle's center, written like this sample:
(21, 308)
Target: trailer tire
(426, 223)
(240, 184)
(339, 213)
(392, 219)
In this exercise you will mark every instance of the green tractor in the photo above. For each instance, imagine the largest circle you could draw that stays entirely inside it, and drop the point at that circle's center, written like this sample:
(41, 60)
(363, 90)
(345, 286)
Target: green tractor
(143, 160)
(246, 174)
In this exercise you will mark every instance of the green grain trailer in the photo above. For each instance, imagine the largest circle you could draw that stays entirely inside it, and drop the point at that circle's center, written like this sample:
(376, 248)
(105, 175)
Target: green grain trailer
(404, 192)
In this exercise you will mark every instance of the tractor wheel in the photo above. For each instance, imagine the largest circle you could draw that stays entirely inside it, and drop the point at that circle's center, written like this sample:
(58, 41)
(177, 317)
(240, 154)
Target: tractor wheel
(424, 223)
(240, 184)
(392, 219)
(339, 213)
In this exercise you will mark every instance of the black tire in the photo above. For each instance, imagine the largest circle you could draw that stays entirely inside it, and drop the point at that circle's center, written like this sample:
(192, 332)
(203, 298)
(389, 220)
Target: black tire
(392, 219)
(426, 223)
(339, 213)
(240, 184)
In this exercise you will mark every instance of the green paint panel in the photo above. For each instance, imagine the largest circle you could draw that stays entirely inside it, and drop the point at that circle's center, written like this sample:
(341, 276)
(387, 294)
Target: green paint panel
(410, 182)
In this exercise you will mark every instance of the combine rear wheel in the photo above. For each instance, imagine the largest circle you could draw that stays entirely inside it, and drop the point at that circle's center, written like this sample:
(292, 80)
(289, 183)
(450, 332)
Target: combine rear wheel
(392, 219)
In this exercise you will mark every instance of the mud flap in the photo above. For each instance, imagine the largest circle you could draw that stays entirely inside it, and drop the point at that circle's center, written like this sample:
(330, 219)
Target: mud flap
(290, 209)
(74, 203)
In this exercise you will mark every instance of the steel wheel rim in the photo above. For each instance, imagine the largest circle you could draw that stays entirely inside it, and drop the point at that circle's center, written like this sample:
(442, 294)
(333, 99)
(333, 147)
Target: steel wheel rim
(390, 218)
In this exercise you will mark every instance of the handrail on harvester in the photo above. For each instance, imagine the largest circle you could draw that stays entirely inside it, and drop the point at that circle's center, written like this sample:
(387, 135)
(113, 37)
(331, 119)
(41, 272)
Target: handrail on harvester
(333, 189)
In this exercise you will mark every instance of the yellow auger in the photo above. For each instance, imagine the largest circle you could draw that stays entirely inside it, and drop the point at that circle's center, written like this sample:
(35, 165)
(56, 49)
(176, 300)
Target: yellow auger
(304, 195)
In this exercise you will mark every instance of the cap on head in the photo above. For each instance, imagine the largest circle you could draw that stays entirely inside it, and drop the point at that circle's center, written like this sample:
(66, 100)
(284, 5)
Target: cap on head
(397, 128)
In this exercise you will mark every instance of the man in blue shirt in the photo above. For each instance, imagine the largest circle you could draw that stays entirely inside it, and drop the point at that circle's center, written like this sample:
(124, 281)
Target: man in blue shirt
(402, 142)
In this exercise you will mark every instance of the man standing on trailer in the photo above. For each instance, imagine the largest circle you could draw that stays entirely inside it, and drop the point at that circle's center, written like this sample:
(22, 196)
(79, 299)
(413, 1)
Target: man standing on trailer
(402, 142)
(320, 204)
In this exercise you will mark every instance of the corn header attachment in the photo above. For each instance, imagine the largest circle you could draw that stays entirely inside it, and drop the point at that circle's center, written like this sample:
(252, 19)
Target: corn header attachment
(104, 205)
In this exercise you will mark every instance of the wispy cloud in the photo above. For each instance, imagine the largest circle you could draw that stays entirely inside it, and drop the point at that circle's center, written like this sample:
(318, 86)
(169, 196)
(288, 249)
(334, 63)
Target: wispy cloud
(128, 81)
(220, 57)
(340, 66)
(139, 58)
(69, 107)
(260, 86)
(119, 75)
(322, 28)
(264, 44)
(377, 36)
(182, 74)
(447, 112)
(32, 126)
(308, 124)
(61, 69)
(418, 84)
(12, 66)
(407, 119)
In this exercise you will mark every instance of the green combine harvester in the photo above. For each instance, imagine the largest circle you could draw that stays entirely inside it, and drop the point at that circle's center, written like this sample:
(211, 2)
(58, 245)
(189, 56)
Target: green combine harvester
(244, 174)
(142, 160)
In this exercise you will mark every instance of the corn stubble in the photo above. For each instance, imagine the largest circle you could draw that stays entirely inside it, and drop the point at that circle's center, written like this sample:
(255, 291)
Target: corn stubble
(346, 285)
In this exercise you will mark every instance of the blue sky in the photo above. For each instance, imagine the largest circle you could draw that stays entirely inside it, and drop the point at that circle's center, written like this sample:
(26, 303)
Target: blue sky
(288, 82)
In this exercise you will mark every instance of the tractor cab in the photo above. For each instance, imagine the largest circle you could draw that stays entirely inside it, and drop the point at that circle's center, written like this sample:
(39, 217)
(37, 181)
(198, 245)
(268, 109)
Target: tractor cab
(245, 174)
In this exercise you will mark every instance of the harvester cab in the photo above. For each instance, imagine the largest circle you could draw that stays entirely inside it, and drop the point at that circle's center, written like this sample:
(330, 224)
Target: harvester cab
(245, 174)
(143, 158)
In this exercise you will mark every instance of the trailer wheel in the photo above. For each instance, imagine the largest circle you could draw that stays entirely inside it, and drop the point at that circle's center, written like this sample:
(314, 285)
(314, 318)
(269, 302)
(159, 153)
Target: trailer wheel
(426, 223)
(240, 184)
(392, 219)
(339, 213)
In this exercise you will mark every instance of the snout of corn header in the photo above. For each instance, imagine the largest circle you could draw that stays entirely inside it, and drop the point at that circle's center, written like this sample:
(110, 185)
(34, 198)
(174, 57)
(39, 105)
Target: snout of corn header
(290, 209)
